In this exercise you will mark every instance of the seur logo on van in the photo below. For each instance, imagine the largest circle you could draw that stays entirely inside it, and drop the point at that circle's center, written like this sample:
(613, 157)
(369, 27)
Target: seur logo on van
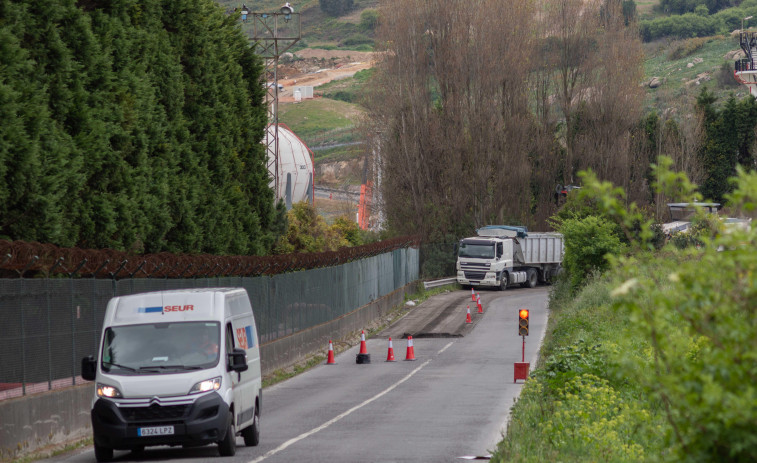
(168, 308)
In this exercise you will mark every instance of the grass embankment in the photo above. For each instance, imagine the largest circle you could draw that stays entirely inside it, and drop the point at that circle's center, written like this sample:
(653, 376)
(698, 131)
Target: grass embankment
(654, 361)
(669, 60)
(579, 405)
(321, 121)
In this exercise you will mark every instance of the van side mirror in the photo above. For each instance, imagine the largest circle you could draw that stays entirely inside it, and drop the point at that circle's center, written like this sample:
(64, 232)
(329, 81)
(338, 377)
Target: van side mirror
(89, 368)
(237, 360)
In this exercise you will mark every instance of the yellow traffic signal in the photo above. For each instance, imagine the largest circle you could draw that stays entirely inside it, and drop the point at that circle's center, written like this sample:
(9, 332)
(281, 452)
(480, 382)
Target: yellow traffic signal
(523, 322)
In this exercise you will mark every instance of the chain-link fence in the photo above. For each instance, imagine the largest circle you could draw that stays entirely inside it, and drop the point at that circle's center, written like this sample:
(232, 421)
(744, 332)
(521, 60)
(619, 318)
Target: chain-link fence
(49, 324)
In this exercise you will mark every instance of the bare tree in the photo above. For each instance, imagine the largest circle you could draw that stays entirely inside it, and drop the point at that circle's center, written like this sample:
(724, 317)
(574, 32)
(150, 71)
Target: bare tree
(452, 107)
(468, 101)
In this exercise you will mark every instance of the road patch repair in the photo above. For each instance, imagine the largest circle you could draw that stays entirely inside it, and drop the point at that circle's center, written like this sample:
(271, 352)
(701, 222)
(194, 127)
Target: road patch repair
(442, 316)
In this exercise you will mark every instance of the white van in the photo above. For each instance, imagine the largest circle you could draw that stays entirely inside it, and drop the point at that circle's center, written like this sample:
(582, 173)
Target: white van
(176, 367)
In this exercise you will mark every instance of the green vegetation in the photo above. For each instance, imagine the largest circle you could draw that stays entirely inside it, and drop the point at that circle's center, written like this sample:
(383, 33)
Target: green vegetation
(125, 127)
(349, 90)
(653, 360)
(309, 232)
(320, 121)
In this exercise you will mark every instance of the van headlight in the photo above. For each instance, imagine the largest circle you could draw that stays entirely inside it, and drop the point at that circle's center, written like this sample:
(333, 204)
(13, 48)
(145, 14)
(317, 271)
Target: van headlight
(213, 384)
(103, 390)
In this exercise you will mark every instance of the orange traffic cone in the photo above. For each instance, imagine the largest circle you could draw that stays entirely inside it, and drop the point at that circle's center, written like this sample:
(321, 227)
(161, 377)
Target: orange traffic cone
(480, 307)
(410, 351)
(472, 295)
(330, 360)
(363, 348)
(467, 316)
(390, 354)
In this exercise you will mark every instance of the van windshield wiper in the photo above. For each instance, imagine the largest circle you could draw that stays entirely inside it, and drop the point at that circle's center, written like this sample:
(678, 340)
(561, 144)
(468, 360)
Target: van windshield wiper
(124, 367)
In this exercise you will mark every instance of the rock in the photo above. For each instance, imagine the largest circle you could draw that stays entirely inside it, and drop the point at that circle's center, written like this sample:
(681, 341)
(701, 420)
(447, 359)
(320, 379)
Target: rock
(697, 60)
(735, 54)
(655, 82)
(690, 65)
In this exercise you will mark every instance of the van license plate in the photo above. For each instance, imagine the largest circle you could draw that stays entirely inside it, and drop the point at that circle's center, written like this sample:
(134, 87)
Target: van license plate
(155, 431)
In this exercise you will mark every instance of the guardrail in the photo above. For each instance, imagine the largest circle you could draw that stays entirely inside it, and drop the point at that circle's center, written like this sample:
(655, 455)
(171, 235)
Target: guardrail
(437, 283)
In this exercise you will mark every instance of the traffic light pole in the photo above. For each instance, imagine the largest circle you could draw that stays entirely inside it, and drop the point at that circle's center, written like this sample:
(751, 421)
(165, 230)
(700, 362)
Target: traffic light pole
(521, 369)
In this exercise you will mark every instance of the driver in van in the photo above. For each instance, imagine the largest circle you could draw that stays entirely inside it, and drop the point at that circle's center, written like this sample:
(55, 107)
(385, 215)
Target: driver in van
(208, 347)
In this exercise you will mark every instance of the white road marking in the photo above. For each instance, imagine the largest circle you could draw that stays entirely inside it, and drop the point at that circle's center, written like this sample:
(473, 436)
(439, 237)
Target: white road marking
(339, 417)
(444, 348)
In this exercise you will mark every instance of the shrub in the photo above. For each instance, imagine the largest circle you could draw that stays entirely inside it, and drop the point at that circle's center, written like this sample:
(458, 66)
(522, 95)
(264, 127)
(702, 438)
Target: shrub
(356, 39)
(368, 20)
(686, 48)
(588, 241)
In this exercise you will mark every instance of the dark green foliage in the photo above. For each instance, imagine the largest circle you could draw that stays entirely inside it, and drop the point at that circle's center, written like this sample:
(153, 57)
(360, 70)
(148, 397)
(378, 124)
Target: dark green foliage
(132, 125)
(729, 137)
(438, 260)
(335, 7)
(683, 26)
(688, 6)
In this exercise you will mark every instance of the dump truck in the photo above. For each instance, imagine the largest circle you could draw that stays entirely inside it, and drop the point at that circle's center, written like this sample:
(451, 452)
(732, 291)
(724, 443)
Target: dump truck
(502, 256)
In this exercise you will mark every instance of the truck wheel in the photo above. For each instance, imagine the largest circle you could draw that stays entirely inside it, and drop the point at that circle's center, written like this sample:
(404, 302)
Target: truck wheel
(251, 433)
(228, 446)
(503, 281)
(532, 278)
(103, 453)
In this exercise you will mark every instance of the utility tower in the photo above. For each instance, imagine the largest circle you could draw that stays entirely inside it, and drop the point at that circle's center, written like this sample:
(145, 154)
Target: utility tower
(273, 34)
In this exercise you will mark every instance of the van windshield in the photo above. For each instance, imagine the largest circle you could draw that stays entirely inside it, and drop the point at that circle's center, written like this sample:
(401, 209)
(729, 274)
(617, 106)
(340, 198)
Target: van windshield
(477, 249)
(161, 347)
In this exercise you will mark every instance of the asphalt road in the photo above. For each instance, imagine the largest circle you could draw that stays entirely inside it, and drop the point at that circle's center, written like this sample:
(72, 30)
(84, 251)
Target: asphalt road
(452, 401)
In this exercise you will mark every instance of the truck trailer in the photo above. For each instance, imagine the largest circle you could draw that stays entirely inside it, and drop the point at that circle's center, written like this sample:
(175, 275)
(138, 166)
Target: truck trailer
(501, 256)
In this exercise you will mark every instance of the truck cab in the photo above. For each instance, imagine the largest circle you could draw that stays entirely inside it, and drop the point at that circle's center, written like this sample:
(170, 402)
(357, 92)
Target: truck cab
(481, 261)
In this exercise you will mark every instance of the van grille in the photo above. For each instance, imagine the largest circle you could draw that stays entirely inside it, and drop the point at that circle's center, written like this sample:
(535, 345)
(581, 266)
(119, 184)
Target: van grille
(153, 412)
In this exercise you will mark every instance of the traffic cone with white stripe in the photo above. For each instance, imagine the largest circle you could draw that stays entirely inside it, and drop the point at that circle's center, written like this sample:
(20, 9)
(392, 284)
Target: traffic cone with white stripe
(390, 353)
(472, 295)
(330, 360)
(480, 307)
(410, 355)
(363, 348)
(363, 356)
(467, 316)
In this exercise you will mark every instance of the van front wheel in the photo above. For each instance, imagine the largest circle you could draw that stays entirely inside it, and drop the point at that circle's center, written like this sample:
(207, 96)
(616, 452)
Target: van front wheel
(103, 453)
(228, 446)
(251, 433)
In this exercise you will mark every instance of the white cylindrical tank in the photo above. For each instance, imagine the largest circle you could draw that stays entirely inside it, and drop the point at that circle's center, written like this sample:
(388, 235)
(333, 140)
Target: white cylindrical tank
(295, 167)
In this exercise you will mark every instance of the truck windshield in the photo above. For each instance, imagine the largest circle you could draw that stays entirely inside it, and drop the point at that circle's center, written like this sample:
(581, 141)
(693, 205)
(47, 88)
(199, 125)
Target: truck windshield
(476, 249)
(161, 348)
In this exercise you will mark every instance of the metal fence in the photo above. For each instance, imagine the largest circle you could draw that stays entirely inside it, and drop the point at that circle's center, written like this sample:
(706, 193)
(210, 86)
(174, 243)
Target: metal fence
(48, 324)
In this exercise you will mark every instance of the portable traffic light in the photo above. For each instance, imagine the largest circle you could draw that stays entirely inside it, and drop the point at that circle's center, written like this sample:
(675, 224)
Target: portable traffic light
(523, 322)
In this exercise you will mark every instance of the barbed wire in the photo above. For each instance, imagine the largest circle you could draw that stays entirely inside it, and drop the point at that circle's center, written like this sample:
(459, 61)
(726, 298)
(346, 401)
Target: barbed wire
(22, 259)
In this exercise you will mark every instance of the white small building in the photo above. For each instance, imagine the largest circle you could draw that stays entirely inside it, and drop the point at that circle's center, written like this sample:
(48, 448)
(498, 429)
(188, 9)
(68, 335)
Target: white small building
(306, 91)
